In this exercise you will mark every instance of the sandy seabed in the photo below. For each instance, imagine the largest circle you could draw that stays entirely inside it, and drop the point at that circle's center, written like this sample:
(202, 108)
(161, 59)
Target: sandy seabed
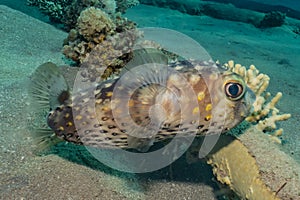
(69, 171)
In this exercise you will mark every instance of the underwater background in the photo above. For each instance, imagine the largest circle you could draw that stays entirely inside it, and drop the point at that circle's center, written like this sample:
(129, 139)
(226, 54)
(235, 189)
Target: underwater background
(67, 171)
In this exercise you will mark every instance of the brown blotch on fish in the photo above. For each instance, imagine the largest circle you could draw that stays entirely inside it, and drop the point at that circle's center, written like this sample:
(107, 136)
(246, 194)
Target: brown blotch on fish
(111, 126)
(103, 131)
(97, 125)
(105, 118)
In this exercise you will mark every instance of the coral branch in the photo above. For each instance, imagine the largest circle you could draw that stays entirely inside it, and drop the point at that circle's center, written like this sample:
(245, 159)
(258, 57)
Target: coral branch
(264, 114)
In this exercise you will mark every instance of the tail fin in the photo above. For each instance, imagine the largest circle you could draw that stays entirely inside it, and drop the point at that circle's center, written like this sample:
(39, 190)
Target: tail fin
(43, 139)
(48, 87)
(47, 90)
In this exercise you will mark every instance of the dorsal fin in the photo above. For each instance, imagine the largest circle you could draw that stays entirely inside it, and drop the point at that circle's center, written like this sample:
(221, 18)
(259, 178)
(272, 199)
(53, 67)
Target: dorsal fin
(145, 56)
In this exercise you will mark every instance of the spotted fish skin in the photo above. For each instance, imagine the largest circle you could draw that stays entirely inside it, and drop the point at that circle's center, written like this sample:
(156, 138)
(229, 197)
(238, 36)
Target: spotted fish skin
(91, 117)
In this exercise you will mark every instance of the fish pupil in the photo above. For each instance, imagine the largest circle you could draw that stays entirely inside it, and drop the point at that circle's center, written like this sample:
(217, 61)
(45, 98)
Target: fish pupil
(233, 89)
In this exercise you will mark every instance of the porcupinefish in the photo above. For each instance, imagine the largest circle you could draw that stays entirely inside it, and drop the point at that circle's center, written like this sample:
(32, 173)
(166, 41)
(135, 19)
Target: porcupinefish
(143, 106)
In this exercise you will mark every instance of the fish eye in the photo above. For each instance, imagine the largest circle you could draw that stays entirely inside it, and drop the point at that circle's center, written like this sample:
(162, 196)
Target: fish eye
(234, 90)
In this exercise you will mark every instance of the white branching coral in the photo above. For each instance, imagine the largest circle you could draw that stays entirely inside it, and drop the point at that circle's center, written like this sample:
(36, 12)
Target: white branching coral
(256, 81)
(265, 114)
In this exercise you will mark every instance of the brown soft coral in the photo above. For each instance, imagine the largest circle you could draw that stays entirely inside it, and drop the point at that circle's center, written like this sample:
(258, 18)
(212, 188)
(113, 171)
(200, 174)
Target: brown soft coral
(93, 22)
(110, 56)
(93, 27)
